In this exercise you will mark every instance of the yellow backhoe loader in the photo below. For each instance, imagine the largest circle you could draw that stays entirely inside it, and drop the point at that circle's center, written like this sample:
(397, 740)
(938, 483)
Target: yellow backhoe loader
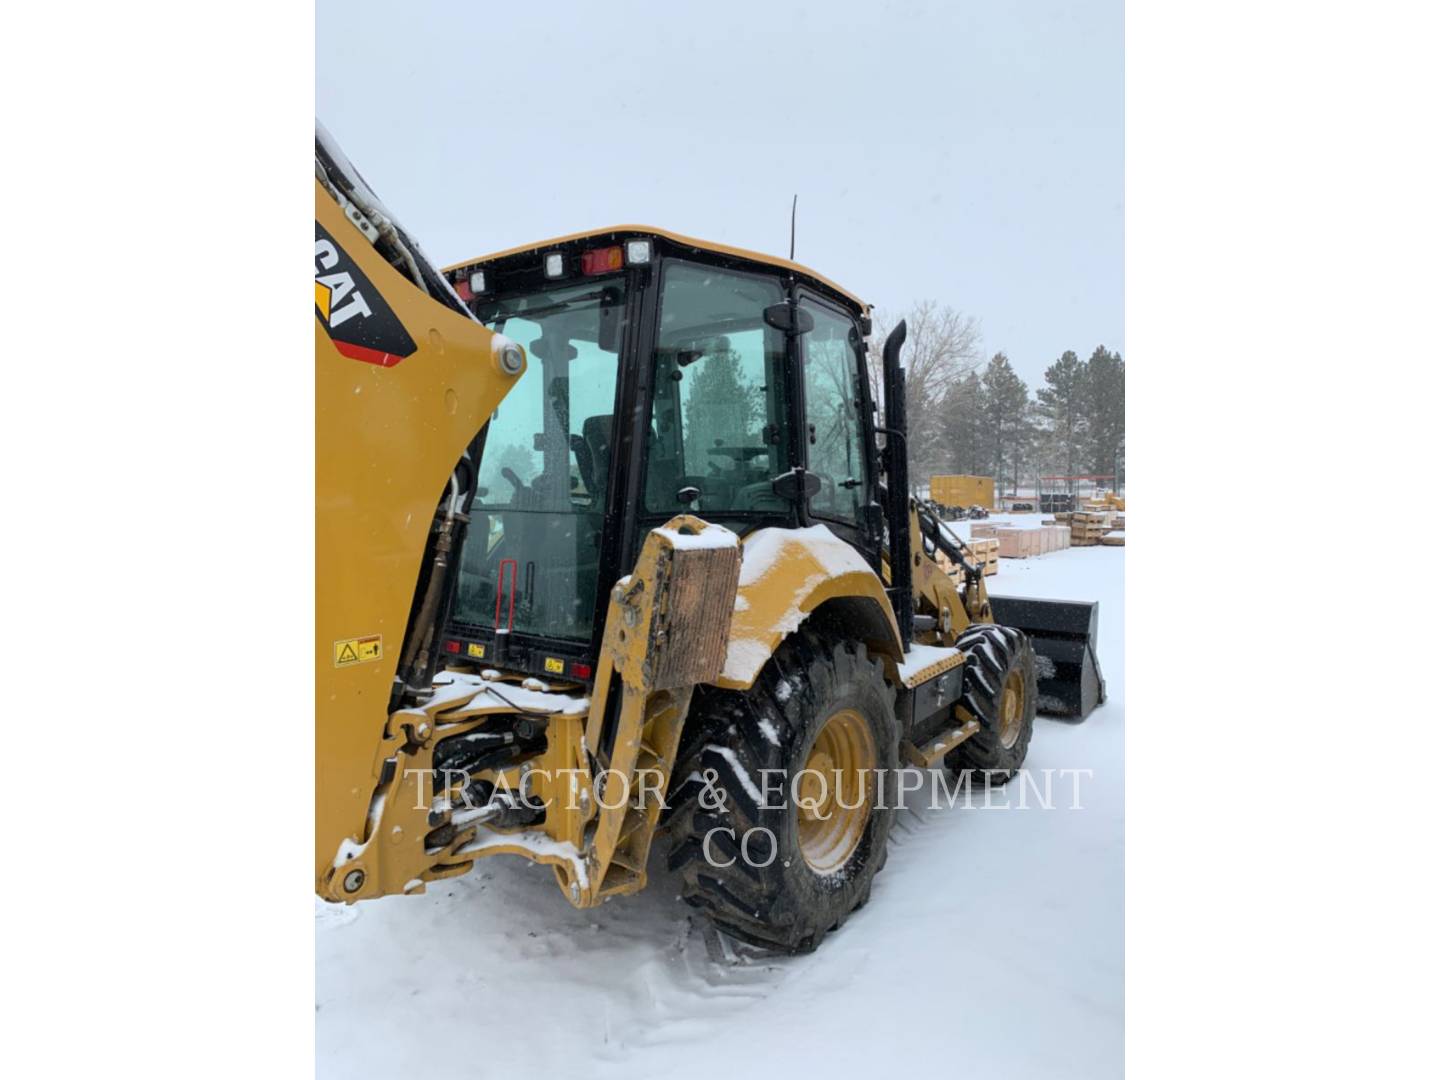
(612, 544)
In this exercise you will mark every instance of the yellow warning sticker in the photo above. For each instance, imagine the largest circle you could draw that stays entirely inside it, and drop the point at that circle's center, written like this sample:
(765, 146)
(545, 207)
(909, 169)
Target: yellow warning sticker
(477, 650)
(358, 650)
(554, 666)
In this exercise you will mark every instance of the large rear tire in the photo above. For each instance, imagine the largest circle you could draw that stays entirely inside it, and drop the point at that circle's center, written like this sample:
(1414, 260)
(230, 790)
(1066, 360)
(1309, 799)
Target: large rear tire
(742, 789)
(1000, 692)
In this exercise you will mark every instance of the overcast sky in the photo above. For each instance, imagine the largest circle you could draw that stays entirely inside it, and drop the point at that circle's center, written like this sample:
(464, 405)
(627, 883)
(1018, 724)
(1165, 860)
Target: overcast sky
(971, 152)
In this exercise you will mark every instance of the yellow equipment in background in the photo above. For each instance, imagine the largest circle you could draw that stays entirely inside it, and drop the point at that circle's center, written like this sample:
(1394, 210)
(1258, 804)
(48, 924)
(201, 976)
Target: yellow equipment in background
(644, 570)
(962, 492)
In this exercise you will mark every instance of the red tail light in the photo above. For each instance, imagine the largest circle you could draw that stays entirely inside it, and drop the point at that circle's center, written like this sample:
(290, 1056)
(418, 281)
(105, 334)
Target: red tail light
(452, 646)
(601, 260)
(581, 671)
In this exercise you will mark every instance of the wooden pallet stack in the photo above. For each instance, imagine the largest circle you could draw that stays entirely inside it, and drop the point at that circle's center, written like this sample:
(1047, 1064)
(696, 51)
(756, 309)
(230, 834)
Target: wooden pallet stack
(1088, 526)
(986, 551)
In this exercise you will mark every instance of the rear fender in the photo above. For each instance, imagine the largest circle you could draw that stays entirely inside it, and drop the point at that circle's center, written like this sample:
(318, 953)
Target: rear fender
(786, 577)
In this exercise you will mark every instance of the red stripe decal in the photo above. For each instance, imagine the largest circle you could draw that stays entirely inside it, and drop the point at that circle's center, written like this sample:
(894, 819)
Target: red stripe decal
(368, 356)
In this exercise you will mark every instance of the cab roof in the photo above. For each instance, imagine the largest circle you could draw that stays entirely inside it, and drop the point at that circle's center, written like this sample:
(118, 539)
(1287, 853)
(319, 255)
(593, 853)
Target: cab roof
(618, 231)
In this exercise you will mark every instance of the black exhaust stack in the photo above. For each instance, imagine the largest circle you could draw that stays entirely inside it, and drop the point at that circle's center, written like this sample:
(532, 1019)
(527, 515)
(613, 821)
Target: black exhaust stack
(897, 486)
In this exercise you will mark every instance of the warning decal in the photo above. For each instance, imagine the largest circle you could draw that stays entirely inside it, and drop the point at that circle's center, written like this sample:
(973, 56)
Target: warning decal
(358, 650)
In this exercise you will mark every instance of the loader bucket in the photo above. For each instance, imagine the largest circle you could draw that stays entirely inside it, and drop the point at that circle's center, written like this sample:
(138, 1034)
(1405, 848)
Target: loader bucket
(1063, 633)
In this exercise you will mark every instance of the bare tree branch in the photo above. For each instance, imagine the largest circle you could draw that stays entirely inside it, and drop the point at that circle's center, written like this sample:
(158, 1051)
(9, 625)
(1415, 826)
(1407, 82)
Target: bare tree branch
(942, 347)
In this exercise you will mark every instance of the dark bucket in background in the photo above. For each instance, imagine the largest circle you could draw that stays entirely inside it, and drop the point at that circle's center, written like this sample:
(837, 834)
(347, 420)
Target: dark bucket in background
(1063, 633)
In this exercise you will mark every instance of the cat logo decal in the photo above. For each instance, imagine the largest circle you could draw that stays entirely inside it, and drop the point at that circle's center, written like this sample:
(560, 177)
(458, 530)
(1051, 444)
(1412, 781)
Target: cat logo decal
(353, 312)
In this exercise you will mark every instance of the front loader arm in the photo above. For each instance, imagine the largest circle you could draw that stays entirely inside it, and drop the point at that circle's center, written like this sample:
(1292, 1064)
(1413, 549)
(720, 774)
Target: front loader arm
(403, 382)
(957, 603)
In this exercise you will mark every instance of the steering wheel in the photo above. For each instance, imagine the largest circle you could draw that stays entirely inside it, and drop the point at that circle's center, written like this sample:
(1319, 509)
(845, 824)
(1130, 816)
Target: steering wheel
(515, 481)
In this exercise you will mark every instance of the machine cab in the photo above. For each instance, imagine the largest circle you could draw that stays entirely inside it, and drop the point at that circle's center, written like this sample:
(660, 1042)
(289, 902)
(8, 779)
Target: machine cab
(666, 375)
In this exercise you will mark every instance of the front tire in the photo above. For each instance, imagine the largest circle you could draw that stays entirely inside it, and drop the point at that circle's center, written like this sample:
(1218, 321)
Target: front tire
(1000, 692)
(751, 768)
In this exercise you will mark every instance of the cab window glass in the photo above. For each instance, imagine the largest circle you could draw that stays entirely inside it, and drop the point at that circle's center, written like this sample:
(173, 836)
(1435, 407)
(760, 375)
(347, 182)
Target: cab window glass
(532, 561)
(717, 419)
(834, 439)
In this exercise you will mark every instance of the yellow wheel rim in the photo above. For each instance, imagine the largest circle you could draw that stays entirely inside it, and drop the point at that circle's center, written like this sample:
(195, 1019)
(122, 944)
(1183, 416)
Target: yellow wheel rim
(834, 792)
(1012, 709)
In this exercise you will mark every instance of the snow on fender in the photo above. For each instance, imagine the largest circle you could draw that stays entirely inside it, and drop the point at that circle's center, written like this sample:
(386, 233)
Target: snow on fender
(785, 574)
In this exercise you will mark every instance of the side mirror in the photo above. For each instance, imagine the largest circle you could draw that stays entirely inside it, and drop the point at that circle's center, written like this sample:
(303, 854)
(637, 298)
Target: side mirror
(789, 318)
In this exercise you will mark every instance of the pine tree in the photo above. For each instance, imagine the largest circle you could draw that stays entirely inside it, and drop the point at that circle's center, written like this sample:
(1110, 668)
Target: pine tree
(1005, 398)
(721, 405)
(1106, 413)
(1064, 412)
(962, 414)
(1030, 443)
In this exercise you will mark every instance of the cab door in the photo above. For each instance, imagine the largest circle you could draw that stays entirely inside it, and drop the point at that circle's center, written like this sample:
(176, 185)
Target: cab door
(837, 446)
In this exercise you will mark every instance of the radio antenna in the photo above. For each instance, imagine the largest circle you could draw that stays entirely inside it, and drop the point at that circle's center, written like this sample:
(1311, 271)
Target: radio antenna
(794, 200)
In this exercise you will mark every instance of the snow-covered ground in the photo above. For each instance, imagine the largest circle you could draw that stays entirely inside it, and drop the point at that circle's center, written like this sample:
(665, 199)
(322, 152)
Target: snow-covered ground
(993, 943)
